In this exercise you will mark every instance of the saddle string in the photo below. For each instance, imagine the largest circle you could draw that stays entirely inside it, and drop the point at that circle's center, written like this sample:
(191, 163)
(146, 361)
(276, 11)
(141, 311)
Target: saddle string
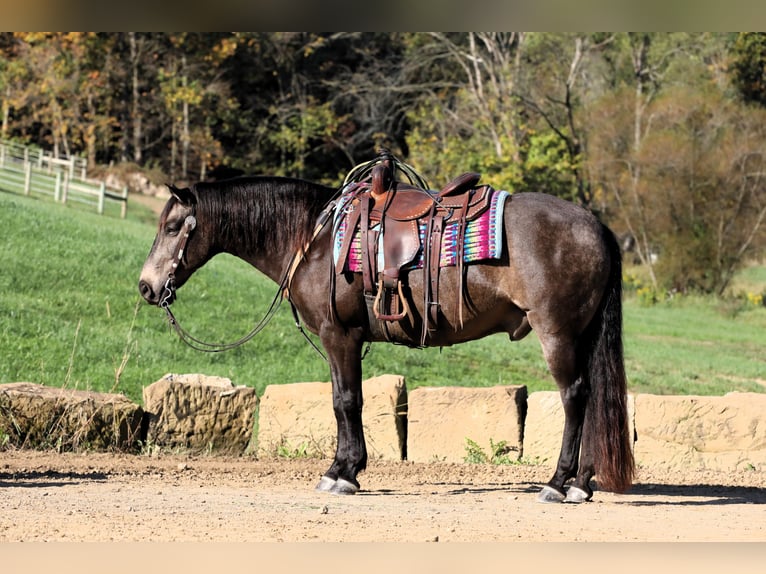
(363, 170)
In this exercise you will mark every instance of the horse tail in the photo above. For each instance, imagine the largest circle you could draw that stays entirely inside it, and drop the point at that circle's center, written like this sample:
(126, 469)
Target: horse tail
(607, 409)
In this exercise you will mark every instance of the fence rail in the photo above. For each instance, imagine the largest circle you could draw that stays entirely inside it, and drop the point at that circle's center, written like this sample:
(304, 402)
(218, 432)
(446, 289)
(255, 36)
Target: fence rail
(27, 171)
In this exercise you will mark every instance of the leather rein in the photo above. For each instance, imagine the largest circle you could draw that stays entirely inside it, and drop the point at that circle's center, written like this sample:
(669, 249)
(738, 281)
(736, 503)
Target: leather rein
(283, 292)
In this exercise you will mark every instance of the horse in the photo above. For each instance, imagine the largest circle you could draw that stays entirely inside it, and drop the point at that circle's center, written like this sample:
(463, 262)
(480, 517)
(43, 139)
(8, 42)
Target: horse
(559, 274)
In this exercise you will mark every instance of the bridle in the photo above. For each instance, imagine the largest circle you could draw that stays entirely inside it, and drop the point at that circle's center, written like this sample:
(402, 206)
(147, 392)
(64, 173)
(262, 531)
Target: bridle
(170, 289)
(190, 223)
(283, 292)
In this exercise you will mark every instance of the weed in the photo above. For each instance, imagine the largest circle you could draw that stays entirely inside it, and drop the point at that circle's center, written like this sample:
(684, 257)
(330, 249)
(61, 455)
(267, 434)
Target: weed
(286, 450)
(499, 453)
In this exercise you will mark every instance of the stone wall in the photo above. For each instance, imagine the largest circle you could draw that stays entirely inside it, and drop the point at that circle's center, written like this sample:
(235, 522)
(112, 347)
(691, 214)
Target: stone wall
(717, 433)
(723, 433)
(210, 414)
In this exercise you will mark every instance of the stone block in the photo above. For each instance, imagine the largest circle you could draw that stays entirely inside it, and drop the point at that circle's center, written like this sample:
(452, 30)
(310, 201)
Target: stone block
(200, 413)
(718, 433)
(36, 416)
(298, 419)
(442, 419)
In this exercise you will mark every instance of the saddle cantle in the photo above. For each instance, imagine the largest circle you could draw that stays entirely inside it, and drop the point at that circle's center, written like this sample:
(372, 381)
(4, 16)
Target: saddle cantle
(390, 215)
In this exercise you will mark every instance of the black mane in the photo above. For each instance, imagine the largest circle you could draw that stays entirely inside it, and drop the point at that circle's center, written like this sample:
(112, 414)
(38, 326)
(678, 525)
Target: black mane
(262, 213)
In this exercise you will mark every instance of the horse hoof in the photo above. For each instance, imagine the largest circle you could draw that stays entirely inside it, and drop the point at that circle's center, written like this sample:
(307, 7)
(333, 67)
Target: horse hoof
(343, 486)
(325, 484)
(550, 495)
(575, 494)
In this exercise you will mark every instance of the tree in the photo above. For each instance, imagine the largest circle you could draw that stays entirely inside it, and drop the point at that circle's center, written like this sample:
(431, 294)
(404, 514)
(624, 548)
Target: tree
(10, 70)
(748, 66)
(559, 83)
(508, 105)
(700, 201)
(467, 117)
(193, 91)
(709, 169)
(624, 120)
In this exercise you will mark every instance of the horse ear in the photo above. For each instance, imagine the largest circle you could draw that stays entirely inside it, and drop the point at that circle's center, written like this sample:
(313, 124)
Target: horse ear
(184, 195)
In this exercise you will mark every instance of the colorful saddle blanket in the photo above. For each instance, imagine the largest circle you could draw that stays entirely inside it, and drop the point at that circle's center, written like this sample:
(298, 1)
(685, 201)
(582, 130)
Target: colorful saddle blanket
(483, 239)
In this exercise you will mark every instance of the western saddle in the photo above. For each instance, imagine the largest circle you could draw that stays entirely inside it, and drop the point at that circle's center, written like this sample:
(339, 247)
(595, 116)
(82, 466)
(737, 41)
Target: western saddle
(380, 205)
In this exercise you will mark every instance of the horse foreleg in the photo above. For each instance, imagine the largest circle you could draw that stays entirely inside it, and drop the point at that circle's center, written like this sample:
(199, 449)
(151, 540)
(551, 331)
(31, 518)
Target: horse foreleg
(344, 352)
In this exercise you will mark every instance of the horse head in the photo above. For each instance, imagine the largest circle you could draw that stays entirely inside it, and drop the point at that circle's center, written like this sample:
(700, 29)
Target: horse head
(178, 250)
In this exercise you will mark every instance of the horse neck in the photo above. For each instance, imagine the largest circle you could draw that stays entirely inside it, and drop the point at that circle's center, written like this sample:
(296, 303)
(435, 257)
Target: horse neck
(266, 221)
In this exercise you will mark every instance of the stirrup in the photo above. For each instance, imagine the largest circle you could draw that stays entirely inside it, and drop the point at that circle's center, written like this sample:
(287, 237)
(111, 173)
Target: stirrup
(396, 316)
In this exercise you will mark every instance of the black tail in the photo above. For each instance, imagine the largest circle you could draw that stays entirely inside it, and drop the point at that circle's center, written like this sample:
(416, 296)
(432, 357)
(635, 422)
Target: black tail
(607, 409)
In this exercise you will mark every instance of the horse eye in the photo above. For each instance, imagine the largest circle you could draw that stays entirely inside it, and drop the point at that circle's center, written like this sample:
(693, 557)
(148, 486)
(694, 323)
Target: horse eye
(173, 228)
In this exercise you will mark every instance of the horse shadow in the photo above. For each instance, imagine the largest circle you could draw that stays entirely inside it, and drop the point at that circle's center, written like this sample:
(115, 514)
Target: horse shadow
(673, 495)
(48, 479)
(695, 495)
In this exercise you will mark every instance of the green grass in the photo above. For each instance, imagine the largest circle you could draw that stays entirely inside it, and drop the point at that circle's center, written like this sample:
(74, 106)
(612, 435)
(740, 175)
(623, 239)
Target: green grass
(70, 315)
(695, 346)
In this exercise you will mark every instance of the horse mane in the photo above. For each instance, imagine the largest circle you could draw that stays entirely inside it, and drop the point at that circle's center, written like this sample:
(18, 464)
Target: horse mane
(262, 213)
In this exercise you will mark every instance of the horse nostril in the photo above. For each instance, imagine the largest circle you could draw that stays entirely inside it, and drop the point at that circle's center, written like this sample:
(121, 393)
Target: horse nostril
(146, 291)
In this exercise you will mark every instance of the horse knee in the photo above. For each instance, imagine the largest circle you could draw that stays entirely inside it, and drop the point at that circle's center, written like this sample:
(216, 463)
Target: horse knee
(348, 405)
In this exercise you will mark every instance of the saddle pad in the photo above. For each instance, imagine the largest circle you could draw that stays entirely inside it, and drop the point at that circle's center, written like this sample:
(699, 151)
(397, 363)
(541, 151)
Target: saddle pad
(483, 240)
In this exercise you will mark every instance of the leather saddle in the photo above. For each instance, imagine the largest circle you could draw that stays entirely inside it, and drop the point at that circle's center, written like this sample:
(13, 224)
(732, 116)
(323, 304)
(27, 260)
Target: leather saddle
(396, 210)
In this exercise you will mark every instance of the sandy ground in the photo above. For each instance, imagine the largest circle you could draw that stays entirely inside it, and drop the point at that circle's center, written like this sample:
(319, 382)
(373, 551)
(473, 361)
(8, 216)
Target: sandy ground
(100, 497)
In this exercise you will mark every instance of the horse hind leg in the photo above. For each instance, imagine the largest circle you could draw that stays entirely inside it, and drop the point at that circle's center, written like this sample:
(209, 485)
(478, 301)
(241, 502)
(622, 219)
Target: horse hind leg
(580, 490)
(560, 354)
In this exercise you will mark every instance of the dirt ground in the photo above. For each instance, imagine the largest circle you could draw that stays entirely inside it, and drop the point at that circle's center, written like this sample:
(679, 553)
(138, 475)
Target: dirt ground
(138, 498)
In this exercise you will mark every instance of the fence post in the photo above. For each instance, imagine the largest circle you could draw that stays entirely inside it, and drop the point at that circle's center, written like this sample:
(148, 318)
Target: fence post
(124, 207)
(57, 188)
(65, 188)
(27, 178)
(101, 194)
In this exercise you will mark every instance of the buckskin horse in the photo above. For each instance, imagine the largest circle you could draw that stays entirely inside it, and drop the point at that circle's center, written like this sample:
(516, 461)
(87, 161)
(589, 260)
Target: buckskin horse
(558, 273)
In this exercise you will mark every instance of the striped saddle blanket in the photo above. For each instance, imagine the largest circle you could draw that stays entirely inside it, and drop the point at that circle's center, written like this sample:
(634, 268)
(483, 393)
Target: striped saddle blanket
(483, 239)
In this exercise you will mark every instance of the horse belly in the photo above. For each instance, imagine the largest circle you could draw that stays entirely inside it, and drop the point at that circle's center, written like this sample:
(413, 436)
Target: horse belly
(483, 308)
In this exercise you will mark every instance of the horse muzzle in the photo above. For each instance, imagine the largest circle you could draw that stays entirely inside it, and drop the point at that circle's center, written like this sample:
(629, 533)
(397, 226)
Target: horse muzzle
(162, 297)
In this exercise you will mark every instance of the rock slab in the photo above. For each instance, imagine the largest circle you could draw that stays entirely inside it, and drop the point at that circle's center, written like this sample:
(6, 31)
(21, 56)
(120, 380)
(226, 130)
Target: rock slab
(717, 433)
(36, 416)
(441, 421)
(200, 413)
(298, 419)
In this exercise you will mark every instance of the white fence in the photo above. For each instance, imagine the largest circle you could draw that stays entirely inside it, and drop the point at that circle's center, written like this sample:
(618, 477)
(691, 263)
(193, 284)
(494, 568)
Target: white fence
(27, 171)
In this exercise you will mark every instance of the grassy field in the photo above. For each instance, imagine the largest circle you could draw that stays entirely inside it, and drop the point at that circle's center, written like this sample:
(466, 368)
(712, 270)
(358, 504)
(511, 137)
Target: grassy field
(70, 315)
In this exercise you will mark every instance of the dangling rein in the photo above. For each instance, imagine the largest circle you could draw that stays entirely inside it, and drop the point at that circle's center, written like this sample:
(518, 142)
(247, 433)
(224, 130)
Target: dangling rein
(282, 292)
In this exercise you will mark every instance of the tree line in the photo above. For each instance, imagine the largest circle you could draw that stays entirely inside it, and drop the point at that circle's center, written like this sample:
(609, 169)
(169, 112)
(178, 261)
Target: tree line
(661, 134)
